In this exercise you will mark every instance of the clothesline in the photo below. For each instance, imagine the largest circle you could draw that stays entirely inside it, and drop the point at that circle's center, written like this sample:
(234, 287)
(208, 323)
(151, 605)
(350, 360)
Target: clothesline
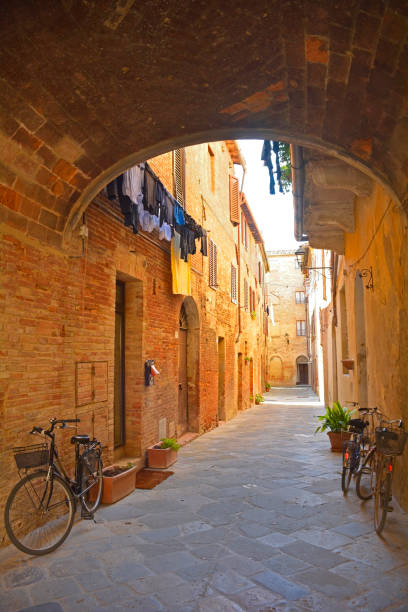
(145, 201)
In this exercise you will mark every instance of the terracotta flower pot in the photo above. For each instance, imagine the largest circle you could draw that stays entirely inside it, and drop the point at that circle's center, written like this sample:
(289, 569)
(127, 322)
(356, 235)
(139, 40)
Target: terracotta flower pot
(337, 439)
(158, 457)
(119, 485)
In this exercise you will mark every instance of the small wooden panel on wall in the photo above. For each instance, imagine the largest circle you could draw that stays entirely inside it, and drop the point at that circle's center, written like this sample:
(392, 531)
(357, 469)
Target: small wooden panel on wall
(94, 421)
(91, 382)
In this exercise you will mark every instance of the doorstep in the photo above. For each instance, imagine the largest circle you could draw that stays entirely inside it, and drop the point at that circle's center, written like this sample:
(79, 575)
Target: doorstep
(187, 437)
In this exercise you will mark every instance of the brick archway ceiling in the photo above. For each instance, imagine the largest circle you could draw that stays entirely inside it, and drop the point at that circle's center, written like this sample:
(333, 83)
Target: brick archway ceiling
(87, 88)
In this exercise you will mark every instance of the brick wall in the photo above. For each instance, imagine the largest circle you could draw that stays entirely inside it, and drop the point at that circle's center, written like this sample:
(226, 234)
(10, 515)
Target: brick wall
(58, 324)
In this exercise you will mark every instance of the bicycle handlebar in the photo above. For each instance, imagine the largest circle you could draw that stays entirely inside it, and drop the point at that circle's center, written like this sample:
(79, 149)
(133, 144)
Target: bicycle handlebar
(54, 422)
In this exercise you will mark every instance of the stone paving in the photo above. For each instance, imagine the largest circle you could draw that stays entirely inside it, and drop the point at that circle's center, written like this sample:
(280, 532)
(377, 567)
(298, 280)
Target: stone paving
(252, 520)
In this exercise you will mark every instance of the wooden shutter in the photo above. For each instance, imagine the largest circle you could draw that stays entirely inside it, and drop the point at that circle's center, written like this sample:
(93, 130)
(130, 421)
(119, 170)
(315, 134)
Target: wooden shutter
(234, 293)
(179, 176)
(212, 264)
(234, 200)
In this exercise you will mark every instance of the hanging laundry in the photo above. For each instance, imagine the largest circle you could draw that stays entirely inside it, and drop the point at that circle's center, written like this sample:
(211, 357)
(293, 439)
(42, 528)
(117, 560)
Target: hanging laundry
(133, 180)
(149, 200)
(178, 214)
(275, 147)
(129, 210)
(266, 157)
(180, 270)
(203, 249)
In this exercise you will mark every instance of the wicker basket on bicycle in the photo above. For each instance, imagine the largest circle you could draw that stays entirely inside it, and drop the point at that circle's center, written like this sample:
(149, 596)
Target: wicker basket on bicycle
(27, 457)
(390, 442)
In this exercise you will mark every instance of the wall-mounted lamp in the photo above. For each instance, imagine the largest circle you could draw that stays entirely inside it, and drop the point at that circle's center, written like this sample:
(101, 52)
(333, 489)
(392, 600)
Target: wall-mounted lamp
(368, 273)
(287, 337)
(300, 255)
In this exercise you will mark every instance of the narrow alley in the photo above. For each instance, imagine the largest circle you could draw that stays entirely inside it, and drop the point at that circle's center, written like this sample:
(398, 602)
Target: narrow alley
(253, 519)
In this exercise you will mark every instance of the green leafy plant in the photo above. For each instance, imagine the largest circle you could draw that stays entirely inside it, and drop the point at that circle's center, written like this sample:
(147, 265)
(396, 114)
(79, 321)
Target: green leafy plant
(268, 386)
(259, 398)
(253, 315)
(336, 418)
(170, 443)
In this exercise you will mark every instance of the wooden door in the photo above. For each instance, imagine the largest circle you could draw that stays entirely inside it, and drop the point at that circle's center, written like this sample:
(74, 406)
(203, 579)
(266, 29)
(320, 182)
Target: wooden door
(303, 373)
(182, 421)
(119, 370)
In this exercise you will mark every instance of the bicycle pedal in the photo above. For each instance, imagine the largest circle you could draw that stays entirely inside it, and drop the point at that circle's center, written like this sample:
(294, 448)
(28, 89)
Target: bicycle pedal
(87, 516)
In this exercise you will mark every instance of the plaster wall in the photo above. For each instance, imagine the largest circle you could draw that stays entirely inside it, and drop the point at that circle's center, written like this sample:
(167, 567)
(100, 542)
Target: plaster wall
(378, 243)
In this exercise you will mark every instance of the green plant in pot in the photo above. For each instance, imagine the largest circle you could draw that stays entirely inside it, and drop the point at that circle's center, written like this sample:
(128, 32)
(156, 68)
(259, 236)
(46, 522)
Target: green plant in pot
(336, 420)
(163, 454)
(267, 386)
(259, 398)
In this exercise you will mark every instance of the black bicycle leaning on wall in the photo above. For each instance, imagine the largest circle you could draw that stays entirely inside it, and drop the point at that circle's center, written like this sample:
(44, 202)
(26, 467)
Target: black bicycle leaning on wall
(40, 509)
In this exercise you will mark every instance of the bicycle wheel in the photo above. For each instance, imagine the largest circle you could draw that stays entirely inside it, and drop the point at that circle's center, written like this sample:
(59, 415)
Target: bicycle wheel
(39, 513)
(348, 455)
(91, 471)
(365, 479)
(382, 496)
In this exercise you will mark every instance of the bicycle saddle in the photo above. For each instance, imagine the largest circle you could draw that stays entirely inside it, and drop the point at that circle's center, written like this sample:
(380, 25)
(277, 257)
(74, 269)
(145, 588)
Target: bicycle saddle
(80, 439)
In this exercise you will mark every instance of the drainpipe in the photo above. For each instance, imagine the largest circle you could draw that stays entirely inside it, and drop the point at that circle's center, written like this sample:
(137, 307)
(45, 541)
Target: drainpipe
(298, 185)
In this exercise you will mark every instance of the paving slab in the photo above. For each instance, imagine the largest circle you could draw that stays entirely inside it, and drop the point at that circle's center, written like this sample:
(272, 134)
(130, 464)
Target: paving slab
(252, 519)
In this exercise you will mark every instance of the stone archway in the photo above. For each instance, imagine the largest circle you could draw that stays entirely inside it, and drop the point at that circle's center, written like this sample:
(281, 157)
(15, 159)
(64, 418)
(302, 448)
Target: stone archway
(84, 96)
(189, 365)
(276, 370)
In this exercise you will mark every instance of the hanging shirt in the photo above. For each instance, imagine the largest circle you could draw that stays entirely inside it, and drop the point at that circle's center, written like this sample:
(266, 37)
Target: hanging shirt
(204, 243)
(150, 202)
(178, 214)
(180, 270)
(133, 183)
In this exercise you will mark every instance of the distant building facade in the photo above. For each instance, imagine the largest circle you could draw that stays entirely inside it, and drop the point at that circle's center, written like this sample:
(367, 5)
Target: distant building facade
(288, 356)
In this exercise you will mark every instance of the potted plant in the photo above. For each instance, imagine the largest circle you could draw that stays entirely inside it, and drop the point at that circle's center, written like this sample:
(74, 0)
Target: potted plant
(253, 315)
(336, 419)
(118, 481)
(163, 454)
(268, 386)
(259, 398)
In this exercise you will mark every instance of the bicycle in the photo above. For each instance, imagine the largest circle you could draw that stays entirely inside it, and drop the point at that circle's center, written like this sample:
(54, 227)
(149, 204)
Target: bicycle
(355, 448)
(40, 508)
(365, 478)
(390, 443)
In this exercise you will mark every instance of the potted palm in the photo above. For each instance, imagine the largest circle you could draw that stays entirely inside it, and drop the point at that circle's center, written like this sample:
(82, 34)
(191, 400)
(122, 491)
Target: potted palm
(163, 454)
(336, 419)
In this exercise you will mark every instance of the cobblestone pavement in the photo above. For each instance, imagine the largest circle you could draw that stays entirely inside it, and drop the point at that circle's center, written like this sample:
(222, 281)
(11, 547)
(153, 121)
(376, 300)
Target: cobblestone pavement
(253, 519)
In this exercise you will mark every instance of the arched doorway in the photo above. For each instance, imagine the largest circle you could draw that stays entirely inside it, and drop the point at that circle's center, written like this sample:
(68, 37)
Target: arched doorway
(361, 349)
(302, 370)
(276, 369)
(188, 367)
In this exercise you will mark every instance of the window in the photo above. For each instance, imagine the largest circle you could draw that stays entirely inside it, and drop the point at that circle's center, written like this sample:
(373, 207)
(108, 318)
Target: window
(212, 168)
(301, 328)
(300, 297)
(179, 176)
(212, 264)
(246, 294)
(234, 200)
(234, 289)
